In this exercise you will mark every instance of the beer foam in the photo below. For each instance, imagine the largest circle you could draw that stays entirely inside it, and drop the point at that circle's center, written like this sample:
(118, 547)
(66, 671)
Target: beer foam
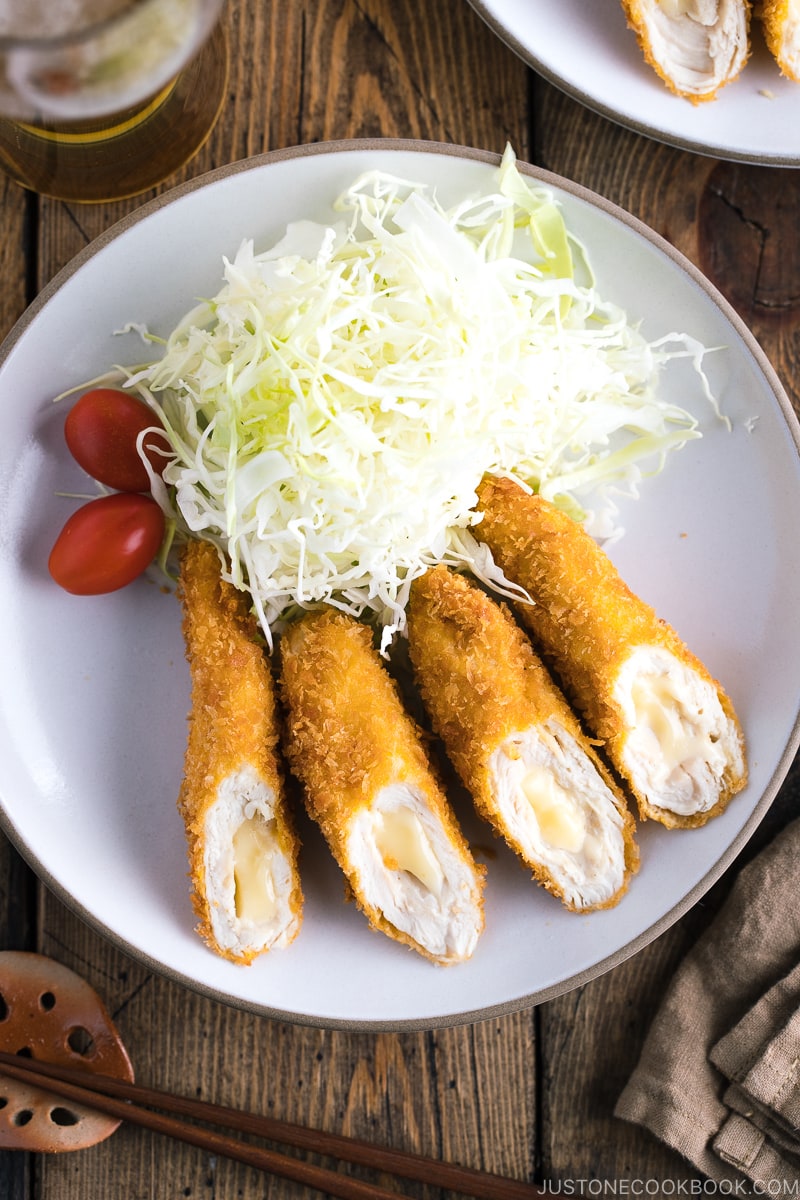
(44, 19)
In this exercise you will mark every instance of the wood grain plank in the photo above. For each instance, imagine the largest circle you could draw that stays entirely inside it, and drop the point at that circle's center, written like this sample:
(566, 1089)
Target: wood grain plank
(15, 230)
(749, 247)
(590, 1042)
(465, 1095)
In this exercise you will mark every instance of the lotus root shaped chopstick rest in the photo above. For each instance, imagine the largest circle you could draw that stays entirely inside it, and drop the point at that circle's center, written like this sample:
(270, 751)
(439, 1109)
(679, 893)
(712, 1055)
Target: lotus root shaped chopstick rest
(48, 1013)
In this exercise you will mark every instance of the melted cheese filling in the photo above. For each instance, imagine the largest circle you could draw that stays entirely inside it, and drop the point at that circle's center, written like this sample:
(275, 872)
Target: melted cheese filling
(404, 846)
(254, 848)
(248, 878)
(661, 716)
(407, 867)
(680, 743)
(559, 813)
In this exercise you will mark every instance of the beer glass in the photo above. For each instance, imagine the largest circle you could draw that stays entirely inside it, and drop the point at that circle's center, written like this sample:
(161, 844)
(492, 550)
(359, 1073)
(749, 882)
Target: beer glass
(101, 99)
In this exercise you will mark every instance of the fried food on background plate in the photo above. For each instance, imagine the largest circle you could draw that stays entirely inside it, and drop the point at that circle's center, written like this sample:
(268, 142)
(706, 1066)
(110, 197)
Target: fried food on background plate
(369, 786)
(667, 727)
(695, 46)
(242, 845)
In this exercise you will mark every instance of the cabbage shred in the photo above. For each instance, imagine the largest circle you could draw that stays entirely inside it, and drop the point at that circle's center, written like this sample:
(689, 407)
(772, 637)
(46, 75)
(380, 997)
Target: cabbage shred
(334, 407)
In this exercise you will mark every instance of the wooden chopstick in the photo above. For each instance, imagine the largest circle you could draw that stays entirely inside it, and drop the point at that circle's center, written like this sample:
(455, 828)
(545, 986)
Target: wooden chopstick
(119, 1099)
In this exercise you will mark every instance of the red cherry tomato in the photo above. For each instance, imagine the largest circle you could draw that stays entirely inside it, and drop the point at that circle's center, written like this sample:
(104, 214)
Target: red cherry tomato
(101, 431)
(107, 543)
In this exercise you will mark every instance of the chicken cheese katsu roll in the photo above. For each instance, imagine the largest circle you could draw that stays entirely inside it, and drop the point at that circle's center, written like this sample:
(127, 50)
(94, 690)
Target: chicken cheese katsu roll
(242, 845)
(516, 743)
(369, 786)
(781, 21)
(668, 728)
(696, 46)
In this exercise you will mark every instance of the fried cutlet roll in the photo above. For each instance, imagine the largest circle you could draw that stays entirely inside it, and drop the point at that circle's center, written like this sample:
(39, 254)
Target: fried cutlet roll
(667, 727)
(369, 785)
(781, 21)
(696, 46)
(242, 845)
(516, 743)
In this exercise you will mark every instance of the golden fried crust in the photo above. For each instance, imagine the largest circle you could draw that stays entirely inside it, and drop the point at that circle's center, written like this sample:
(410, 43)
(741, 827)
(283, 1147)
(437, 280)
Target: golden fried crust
(774, 18)
(635, 14)
(476, 671)
(233, 721)
(348, 735)
(481, 683)
(584, 617)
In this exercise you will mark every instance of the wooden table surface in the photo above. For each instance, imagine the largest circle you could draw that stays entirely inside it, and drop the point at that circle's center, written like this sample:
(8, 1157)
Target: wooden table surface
(530, 1094)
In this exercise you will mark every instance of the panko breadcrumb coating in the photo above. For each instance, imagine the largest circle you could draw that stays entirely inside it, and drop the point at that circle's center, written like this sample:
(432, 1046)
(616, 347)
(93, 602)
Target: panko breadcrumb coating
(516, 743)
(781, 22)
(369, 786)
(242, 845)
(667, 727)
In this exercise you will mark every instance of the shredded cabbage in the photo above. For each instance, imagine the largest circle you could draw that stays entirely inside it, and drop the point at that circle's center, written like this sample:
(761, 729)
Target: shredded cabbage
(333, 408)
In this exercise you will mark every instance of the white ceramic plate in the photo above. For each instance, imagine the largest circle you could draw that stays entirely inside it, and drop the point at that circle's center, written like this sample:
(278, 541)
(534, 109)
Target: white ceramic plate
(94, 691)
(586, 49)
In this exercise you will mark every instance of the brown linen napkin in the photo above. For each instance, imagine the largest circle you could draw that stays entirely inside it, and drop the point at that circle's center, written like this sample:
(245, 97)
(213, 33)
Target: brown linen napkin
(717, 1079)
(761, 1057)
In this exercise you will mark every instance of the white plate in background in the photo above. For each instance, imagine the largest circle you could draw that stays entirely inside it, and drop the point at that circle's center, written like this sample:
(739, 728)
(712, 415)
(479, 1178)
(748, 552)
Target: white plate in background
(587, 50)
(94, 691)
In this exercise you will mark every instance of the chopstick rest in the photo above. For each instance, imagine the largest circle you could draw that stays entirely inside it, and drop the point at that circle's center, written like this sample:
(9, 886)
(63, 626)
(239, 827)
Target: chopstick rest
(49, 1012)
